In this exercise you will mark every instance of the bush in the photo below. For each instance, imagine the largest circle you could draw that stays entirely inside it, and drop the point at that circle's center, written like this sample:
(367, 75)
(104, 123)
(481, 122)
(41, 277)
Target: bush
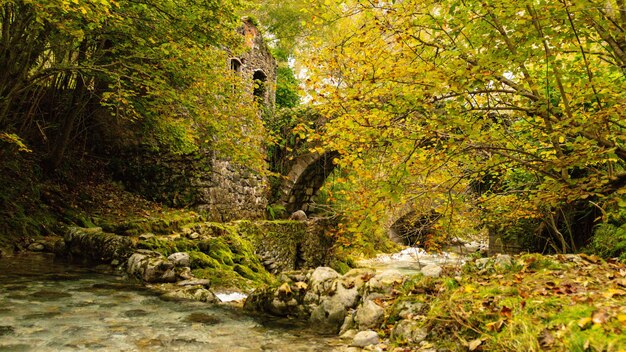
(609, 241)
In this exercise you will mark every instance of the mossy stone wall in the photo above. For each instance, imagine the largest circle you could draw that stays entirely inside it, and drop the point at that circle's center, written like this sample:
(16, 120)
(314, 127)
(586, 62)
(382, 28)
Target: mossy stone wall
(221, 189)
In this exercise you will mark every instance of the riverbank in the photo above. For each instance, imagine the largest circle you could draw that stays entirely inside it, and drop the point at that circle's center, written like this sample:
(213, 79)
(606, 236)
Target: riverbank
(527, 302)
(521, 303)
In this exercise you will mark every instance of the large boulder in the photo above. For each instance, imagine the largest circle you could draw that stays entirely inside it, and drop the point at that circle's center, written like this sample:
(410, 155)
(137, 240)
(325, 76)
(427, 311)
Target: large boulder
(329, 315)
(179, 259)
(323, 280)
(347, 297)
(150, 266)
(92, 244)
(369, 315)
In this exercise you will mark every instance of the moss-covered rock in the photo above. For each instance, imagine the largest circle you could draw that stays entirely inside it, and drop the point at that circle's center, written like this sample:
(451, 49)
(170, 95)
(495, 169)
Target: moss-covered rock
(94, 245)
(220, 255)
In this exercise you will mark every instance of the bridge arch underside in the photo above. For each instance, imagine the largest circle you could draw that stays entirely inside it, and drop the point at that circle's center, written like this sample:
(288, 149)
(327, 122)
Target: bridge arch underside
(304, 181)
(413, 228)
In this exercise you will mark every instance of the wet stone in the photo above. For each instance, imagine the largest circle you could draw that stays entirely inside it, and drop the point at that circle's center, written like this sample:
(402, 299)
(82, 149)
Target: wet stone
(203, 318)
(42, 315)
(62, 277)
(15, 287)
(15, 348)
(115, 286)
(107, 305)
(133, 313)
(45, 295)
(83, 304)
(36, 247)
(6, 330)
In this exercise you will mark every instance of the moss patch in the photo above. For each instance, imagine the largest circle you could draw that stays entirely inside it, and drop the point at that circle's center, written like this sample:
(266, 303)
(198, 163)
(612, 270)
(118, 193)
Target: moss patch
(227, 260)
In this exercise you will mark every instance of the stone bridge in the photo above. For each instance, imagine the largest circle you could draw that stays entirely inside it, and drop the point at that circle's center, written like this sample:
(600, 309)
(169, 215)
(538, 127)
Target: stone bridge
(304, 179)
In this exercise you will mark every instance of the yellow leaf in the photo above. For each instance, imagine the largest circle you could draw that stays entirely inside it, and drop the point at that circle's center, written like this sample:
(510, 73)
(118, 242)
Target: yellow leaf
(469, 289)
(584, 322)
(561, 139)
(614, 292)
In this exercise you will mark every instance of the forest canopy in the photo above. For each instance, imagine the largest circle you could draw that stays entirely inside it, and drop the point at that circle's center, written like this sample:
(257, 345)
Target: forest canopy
(514, 108)
(157, 68)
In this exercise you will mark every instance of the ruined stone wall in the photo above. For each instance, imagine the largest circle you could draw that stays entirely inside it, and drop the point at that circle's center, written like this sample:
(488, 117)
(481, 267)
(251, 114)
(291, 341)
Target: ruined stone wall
(201, 181)
(218, 187)
(256, 59)
(236, 193)
(286, 245)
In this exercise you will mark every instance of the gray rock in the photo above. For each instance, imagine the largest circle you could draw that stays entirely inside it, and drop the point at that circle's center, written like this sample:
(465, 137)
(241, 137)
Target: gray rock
(432, 270)
(299, 215)
(150, 266)
(348, 334)
(146, 236)
(503, 260)
(323, 281)
(358, 277)
(36, 247)
(382, 284)
(365, 338)
(408, 309)
(94, 245)
(184, 273)
(330, 314)
(369, 315)
(322, 274)
(168, 276)
(193, 293)
(409, 331)
(279, 307)
(194, 235)
(348, 298)
(482, 263)
(179, 259)
(348, 325)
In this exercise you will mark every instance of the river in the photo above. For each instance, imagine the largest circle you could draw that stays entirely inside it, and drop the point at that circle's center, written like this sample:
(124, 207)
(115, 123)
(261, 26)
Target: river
(50, 305)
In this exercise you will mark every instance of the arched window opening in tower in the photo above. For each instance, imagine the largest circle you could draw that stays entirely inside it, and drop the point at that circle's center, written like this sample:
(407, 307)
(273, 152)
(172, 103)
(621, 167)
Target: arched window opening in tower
(235, 64)
(259, 79)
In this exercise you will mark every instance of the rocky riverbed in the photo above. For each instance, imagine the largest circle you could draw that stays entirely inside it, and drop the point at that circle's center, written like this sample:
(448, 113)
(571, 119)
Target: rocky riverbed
(49, 305)
(344, 312)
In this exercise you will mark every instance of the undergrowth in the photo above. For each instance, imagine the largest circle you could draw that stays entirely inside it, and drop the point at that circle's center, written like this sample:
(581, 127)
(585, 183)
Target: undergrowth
(538, 303)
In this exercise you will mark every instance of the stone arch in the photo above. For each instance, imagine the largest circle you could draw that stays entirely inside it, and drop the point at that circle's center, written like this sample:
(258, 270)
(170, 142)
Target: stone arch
(411, 227)
(305, 178)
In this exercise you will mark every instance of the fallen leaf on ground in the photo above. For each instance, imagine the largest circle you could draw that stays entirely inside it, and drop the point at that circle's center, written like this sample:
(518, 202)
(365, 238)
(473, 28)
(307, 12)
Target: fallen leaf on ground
(600, 317)
(473, 345)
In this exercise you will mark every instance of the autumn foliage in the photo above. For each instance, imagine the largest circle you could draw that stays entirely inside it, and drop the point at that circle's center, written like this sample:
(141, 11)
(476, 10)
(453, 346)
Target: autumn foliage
(498, 111)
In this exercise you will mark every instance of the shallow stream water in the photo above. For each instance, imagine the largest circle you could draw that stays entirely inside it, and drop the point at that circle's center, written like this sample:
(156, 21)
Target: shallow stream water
(47, 305)
(411, 260)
